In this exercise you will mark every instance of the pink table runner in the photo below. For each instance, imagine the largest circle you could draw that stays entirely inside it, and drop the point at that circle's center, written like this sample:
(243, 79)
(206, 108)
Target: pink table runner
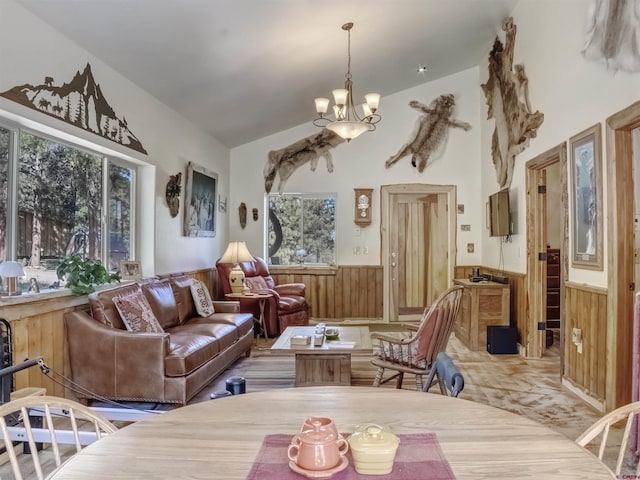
(419, 457)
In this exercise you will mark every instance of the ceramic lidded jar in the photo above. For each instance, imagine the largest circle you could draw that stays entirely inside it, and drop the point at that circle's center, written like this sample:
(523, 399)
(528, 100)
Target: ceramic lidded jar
(373, 449)
(317, 449)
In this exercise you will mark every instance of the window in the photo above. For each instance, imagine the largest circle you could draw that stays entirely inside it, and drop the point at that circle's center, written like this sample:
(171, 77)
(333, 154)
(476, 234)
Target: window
(67, 201)
(302, 229)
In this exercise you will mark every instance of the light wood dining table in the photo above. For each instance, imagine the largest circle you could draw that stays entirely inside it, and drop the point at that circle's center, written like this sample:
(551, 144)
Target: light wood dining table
(220, 439)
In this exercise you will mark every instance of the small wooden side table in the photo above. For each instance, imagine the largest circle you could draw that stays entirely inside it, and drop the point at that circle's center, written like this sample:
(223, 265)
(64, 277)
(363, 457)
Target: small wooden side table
(262, 300)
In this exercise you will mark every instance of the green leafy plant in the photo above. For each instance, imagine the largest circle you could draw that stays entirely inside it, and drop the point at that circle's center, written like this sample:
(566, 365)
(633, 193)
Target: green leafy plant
(81, 274)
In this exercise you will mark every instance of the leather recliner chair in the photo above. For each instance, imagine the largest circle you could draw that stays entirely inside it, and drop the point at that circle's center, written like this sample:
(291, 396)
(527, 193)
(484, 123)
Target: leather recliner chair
(287, 306)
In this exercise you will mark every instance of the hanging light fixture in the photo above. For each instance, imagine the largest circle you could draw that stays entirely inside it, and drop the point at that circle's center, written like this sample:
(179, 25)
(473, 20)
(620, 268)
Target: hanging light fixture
(348, 122)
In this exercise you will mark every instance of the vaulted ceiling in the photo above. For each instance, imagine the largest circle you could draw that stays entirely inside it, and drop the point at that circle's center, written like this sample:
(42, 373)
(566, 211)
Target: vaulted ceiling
(245, 69)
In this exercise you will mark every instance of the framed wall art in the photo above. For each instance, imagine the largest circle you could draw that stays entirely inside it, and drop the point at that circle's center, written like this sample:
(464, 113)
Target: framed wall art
(200, 202)
(130, 270)
(586, 199)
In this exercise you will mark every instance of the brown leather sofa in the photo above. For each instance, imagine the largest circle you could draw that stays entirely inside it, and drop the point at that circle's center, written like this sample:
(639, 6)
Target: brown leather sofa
(170, 367)
(287, 306)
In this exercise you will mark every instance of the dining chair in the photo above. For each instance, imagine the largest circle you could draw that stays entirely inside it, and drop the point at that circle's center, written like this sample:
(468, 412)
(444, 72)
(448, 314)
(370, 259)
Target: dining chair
(46, 427)
(602, 428)
(417, 354)
(448, 376)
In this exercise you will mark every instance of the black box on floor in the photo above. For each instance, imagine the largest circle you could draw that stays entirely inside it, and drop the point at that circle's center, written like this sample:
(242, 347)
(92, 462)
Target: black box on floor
(502, 339)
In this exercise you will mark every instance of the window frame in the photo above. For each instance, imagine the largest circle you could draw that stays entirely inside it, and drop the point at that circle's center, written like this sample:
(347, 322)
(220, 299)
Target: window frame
(302, 196)
(15, 128)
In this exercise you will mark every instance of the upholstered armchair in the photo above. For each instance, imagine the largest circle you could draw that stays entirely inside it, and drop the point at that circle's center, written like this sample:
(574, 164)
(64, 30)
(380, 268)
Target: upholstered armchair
(287, 306)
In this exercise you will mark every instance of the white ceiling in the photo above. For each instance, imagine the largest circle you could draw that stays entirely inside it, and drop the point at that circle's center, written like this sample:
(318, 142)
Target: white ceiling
(245, 69)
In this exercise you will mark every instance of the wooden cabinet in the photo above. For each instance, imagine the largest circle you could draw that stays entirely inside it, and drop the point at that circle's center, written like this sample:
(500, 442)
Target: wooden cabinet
(553, 288)
(483, 303)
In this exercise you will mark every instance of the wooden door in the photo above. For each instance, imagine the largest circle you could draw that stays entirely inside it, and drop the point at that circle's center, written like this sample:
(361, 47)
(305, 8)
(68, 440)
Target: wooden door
(418, 252)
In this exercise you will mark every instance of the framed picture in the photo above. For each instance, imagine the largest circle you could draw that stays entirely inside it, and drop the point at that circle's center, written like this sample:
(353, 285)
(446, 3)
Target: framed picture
(130, 270)
(200, 202)
(586, 199)
(222, 204)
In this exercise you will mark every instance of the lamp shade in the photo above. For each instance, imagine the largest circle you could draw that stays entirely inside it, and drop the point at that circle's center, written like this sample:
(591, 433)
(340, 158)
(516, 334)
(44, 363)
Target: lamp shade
(11, 269)
(236, 252)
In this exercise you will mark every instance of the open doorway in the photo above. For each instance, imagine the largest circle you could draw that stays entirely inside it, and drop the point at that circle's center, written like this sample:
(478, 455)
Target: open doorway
(547, 260)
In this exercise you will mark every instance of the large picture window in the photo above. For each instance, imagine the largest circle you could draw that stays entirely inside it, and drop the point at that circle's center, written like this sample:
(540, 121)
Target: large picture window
(302, 229)
(62, 200)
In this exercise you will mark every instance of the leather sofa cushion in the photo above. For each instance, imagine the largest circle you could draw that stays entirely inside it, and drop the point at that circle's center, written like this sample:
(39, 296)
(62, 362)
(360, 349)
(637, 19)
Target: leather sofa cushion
(188, 351)
(159, 294)
(184, 300)
(104, 310)
(242, 322)
(195, 343)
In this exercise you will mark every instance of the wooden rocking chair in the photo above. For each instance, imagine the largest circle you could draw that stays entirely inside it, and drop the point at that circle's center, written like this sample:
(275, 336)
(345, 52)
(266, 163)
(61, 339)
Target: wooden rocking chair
(417, 354)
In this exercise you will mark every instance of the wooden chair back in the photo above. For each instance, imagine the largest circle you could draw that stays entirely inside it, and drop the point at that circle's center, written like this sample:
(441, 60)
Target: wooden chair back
(45, 427)
(602, 428)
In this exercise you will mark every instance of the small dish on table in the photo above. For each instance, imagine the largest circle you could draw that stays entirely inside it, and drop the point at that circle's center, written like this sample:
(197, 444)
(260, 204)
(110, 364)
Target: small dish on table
(332, 333)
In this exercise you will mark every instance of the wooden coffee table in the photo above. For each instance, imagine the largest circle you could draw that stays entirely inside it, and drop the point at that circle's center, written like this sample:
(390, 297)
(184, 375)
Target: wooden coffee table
(329, 364)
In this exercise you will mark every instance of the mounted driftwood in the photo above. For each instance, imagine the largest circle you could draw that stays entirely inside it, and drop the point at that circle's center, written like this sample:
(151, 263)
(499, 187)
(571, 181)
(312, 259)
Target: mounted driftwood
(507, 94)
(430, 132)
(613, 34)
(287, 160)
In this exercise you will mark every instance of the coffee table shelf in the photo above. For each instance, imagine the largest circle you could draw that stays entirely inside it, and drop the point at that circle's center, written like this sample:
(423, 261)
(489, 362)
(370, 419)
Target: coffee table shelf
(329, 364)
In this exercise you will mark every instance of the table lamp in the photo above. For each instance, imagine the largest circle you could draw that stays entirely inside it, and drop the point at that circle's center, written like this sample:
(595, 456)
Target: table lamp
(10, 271)
(236, 252)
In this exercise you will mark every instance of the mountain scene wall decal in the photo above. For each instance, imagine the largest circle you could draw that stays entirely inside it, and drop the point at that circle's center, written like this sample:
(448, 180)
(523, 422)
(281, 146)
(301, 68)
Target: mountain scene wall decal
(79, 102)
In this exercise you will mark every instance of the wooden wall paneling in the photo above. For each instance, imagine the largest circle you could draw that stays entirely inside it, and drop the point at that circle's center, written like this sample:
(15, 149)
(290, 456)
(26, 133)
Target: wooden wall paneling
(586, 309)
(348, 291)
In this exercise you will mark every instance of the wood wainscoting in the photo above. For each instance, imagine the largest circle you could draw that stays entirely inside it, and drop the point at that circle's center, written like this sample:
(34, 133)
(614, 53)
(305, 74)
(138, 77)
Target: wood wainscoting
(586, 309)
(347, 291)
(37, 327)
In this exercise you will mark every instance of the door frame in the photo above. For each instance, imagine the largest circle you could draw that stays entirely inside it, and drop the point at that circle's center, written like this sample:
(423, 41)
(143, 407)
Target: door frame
(620, 258)
(536, 243)
(418, 189)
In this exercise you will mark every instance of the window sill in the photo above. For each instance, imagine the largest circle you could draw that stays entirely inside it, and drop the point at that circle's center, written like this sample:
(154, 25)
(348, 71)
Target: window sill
(32, 297)
(302, 270)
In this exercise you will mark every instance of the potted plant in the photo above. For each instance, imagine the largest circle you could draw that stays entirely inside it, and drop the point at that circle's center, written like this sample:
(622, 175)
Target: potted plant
(81, 274)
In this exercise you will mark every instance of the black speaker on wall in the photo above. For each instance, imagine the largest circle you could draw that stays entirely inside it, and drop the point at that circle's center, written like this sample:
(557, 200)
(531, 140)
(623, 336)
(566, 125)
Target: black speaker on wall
(502, 339)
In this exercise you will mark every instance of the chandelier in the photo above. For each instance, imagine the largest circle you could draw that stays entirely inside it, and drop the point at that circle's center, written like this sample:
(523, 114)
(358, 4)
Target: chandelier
(348, 123)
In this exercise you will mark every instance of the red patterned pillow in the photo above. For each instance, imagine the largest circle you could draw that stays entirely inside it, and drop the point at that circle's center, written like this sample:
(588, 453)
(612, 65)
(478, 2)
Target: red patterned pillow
(201, 298)
(255, 284)
(136, 313)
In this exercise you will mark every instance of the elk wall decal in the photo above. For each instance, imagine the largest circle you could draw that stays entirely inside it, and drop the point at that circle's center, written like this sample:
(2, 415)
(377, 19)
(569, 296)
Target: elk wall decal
(507, 95)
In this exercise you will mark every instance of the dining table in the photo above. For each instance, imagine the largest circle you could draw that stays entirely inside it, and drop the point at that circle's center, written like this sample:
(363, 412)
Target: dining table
(226, 438)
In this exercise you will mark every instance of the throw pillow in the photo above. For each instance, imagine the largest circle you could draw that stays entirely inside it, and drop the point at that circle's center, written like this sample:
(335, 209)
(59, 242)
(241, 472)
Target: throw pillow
(136, 313)
(256, 284)
(201, 298)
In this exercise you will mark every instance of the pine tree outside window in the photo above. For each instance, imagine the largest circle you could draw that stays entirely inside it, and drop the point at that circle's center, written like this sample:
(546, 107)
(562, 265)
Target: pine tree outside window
(64, 200)
(302, 229)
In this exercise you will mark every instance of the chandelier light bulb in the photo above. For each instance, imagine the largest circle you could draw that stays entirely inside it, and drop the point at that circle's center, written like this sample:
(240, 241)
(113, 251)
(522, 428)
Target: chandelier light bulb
(322, 104)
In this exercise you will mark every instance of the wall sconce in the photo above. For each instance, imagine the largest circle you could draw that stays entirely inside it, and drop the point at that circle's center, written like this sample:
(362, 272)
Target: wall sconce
(10, 271)
(363, 206)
